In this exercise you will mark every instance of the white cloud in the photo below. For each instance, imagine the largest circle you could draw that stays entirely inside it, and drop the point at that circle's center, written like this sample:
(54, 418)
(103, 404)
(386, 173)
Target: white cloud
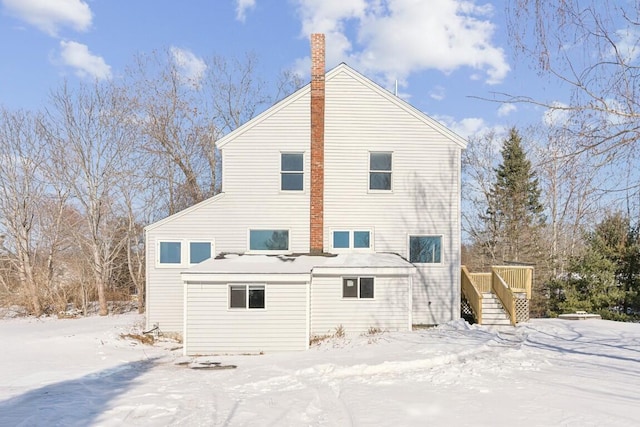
(437, 93)
(49, 15)
(398, 37)
(86, 64)
(506, 109)
(241, 8)
(190, 66)
(467, 127)
(627, 44)
(557, 115)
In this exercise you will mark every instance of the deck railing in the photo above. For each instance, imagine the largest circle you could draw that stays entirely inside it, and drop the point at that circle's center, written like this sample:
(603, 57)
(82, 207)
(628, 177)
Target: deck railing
(482, 281)
(472, 293)
(505, 295)
(504, 280)
(518, 278)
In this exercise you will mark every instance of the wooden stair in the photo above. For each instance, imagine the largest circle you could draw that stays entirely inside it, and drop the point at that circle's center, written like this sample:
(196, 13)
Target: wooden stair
(493, 314)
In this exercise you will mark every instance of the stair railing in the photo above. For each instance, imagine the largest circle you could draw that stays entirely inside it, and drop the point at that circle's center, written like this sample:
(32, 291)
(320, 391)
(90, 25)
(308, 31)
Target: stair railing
(472, 293)
(504, 294)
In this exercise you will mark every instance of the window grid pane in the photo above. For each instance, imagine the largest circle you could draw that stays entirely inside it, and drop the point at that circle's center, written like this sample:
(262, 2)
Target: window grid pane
(292, 182)
(237, 296)
(199, 251)
(350, 287)
(380, 162)
(170, 253)
(361, 239)
(292, 162)
(256, 296)
(341, 239)
(366, 287)
(380, 181)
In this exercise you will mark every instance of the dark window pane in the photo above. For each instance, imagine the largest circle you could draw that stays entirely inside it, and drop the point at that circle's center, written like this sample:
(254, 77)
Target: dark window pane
(350, 288)
(361, 239)
(292, 182)
(425, 249)
(366, 287)
(199, 251)
(256, 296)
(380, 181)
(238, 296)
(380, 162)
(269, 240)
(340, 239)
(170, 253)
(292, 162)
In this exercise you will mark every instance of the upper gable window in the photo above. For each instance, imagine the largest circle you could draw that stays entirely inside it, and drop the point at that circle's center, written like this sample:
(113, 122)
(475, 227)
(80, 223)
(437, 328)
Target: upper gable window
(291, 171)
(268, 240)
(425, 249)
(380, 171)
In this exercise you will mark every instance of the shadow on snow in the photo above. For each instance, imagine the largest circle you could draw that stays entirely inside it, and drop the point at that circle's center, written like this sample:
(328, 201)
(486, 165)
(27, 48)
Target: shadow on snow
(77, 402)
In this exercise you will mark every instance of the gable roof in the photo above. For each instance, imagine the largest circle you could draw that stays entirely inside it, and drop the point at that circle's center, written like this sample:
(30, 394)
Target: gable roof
(344, 68)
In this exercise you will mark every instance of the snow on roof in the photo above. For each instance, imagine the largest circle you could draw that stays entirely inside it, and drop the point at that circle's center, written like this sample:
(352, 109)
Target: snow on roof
(296, 264)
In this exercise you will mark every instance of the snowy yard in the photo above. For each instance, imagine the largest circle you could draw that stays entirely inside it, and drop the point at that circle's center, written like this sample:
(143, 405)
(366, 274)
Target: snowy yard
(543, 373)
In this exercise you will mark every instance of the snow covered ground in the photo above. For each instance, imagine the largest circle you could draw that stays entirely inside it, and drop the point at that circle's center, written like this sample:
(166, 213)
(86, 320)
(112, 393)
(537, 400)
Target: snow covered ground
(543, 373)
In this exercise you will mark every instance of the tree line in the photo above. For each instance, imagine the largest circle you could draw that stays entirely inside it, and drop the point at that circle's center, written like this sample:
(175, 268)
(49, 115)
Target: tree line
(81, 177)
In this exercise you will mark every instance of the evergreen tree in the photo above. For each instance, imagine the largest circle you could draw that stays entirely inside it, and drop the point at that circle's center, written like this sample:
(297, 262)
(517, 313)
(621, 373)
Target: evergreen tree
(515, 214)
(606, 278)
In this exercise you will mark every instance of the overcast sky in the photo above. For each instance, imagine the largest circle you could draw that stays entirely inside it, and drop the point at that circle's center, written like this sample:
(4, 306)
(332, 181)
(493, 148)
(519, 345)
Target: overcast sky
(443, 54)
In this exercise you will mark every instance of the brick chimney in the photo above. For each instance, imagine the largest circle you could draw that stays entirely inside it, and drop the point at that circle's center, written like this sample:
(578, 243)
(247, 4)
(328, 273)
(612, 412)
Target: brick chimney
(316, 244)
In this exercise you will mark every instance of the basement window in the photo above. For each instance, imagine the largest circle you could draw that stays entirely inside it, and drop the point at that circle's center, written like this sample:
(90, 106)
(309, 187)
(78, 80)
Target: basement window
(246, 296)
(291, 171)
(380, 171)
(357, 287)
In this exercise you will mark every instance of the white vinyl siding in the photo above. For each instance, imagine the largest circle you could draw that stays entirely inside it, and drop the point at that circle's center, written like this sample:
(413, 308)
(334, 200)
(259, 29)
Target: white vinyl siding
(213, 328)
(425, 180)
(388, 310)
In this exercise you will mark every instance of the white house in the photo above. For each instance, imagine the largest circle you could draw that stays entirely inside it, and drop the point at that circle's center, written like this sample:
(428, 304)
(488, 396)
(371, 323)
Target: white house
(340, 206)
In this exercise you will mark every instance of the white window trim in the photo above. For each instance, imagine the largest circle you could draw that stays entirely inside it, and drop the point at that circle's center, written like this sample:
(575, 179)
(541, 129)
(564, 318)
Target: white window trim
(267, 252)
(358, 297)
(291, 172)
(246, 302)
(213, 251)
(441, 236)
(369, 190)
(185, 251)
(351, 247)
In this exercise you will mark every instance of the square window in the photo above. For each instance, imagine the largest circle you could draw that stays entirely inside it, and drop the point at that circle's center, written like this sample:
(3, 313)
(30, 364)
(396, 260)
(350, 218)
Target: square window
(366, 287)
(341, 239)
(380, 171)
(425, 249)
(269, 240)
(170, 253)
(199, 251)
(291, 171)
(350, 287)
(361, 239)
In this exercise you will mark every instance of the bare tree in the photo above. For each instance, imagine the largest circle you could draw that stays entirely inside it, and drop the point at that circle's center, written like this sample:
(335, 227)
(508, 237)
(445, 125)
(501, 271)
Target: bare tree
(183, 110)
(592, 48)
(22, 192)
(91, 130)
